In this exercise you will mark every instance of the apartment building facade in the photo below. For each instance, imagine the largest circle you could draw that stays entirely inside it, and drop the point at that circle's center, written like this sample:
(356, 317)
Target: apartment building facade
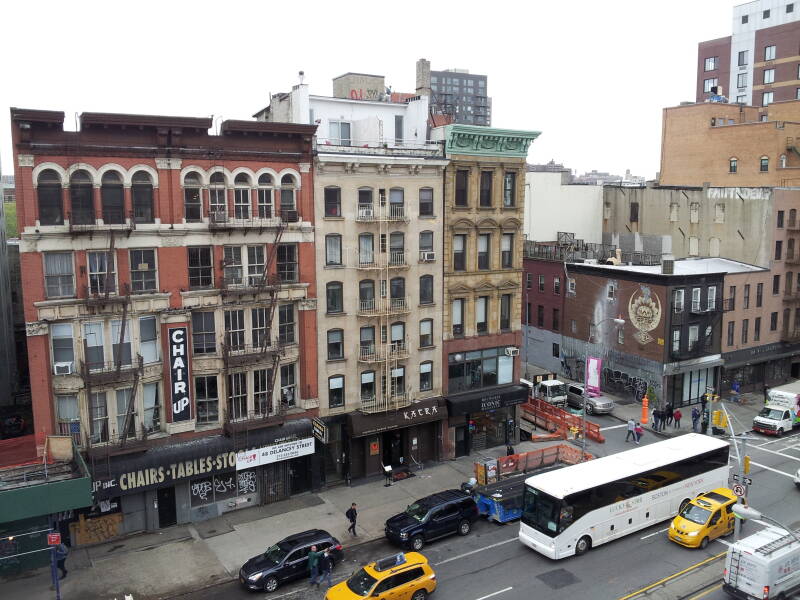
(170, 306)
(483, 212)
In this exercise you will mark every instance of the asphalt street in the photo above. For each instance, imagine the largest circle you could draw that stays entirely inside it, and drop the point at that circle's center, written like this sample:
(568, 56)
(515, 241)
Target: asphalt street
(491, 563)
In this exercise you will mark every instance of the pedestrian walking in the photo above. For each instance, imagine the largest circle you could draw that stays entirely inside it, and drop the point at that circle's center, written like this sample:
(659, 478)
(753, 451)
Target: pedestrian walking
(352, 515)
(510, 450)
(669, 414)
(313, 565)
(639, 432)
(656, 419)
(326, 567)
(695, 419)
(631, 430)
(677, 417)
(61, 556)
(766, 394)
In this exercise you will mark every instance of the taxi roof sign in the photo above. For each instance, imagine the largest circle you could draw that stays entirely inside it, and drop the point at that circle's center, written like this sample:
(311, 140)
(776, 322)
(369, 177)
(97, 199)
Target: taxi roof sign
(389, 562)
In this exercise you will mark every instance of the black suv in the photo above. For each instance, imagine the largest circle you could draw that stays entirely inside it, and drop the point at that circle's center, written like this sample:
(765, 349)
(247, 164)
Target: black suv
(287, 560)
(432, 517)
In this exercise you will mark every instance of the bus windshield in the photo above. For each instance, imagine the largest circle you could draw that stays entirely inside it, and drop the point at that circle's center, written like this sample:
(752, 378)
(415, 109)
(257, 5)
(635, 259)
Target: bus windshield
(545, 513)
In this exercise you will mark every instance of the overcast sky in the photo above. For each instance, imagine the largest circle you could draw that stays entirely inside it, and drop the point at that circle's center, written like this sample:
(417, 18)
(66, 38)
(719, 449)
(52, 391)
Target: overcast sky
(591, 76)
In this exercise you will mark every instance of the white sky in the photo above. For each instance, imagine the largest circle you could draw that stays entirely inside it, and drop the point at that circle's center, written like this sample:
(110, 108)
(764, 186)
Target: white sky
(591, 76)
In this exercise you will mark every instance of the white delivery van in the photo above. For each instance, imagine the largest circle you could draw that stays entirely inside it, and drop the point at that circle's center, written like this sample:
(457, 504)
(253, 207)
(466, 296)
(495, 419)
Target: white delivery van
(781, 413)
(552, 391)
(763, 565)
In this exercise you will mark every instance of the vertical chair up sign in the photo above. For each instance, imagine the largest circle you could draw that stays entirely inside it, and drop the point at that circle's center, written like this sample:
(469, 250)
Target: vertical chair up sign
(179, 374)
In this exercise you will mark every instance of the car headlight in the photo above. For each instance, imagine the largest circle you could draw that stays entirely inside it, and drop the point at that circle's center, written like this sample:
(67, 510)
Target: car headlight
(672, 526)
(693, 533)
(403, 536)
(255, 576)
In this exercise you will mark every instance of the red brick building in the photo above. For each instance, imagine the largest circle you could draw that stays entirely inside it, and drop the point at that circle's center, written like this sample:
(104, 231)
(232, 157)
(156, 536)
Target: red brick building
(169, 291)
(543, 292)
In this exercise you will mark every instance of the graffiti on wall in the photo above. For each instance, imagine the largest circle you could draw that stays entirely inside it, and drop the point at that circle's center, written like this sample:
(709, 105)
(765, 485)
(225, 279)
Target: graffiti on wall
(96, 529)
(644, 310)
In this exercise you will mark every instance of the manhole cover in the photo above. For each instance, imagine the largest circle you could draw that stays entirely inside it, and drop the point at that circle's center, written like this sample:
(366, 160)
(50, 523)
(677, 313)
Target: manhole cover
(557, 578)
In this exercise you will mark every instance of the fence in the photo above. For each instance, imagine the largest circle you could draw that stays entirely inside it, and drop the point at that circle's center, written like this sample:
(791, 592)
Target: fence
(547, 416)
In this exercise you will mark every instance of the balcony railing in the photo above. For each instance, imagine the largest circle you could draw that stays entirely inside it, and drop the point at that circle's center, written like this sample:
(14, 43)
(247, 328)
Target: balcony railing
(793, 258)
(380, 352)
(394, 259)
(379, 404)
(383, 306)
(699, 308)
(729, 304)
(104, 445)
(695, 351)
(260, 219)
(98, 298)
(239, 285)
(248, 354)
(112, 372)
(793, 224)
(372, 213)
(83, 221)
(266, 417)
(790, 297)
(790, 335)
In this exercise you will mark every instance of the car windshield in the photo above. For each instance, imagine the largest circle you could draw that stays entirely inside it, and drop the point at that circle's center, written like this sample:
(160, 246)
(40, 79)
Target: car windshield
(545, 513)
(771, 413)
(556, 390)
(417, 511)
(361, 582)
(695, 514)
(275, 554)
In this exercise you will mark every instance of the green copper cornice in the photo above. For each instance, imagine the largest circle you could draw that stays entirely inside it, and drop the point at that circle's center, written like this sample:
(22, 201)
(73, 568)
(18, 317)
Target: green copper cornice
(488, 141)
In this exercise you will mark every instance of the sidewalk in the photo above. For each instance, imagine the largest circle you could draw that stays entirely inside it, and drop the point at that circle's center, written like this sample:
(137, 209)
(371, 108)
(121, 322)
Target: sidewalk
(190, 557)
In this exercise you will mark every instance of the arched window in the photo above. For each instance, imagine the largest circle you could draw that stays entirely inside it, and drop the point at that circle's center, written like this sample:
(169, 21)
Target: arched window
(217, 198)
(426, 333)
(142, 192)
(334, 296)
(366, 294)
(792, 217)
(333, 249)
(333, 201)
(719, 212)
(694, 212)
(733, 164)
(80, 197)
(111, 197)
(242, 200)
(673, 212)
(335, 391)
(426, 202)
(763, 164)
(366, 249)
(192, 204)
(288, 200)
(426, 289)
(694, 246)
(265, 184)
(335, 344)
(790, 249)
(48, 192)
(426, 376)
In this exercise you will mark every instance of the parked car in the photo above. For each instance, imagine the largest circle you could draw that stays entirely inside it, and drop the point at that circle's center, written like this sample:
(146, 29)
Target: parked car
(404, 576)
(703, 519)
(432, 517)
(576, 395)
(287, 560)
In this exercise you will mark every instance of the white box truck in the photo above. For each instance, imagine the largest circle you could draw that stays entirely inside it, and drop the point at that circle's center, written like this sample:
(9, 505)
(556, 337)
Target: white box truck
(763, 565)
(552, 391)
(781, 413)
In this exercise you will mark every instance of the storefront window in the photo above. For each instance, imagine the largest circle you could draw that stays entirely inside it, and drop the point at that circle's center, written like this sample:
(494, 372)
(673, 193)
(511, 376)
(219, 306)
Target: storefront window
(479, 369)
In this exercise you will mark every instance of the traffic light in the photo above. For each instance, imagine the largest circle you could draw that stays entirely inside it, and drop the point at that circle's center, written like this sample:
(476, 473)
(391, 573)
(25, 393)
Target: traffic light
(715, 418)
(746, 462)
(723, 420)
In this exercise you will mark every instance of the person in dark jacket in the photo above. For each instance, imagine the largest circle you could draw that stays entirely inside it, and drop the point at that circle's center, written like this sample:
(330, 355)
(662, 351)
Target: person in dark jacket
(352, 515)
(325, 568)
(61, 557)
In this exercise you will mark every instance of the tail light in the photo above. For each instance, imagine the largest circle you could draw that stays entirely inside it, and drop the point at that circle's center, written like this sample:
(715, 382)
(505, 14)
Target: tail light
(766, 592)
(337, 547)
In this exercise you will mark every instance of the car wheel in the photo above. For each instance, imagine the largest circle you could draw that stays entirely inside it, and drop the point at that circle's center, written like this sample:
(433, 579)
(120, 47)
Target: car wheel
(419, 595)
(589, 409)
(417, 543)
(271, 584)
(464, 527)
(704, 542)
(583, 545)
(779, 433)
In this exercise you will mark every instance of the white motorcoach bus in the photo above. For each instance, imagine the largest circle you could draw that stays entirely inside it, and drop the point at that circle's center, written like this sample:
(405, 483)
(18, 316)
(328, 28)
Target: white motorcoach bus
(569, 510)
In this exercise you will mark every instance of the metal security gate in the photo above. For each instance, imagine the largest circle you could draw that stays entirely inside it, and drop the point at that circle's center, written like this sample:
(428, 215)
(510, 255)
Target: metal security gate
(275, 484)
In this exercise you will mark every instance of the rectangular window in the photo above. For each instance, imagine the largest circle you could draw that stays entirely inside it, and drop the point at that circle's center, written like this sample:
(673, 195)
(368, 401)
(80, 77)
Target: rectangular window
(69, 417)
(694, 334)
(207, 399)
(773, 321)
(426, 202)
(745, 327)
(287, 263)
(255, 265)
(507, 251)
(741, 80)
(745, 18)
(218, 203)
(232, 265)
(426, 333)
(557, 286)
(540, 316)
(676, 340)
(192, 205)
(711, 63)
(286, 324)
(556, 319)
(94, 343)
(731, 326)
(241, 203)
(59, 276)
(148, 339)
(262, 403)
(677, 301)
(541, 283)
(776, 284)
(528, 281)
(201, 273)
(759, 295)
(746, 296)
(426, 377)
(742, 58)
(769, 75)
(259, 328)
(769, 52)
(765, 14)
(483, 251)
(458, 317)
(203, 333)
(288, 385)
(780, 219)
(711, 298)
(634, 212)
(333, 202)
(462, 187)
(98, 418)
(340, 133)
(481, 314)
(708, 84)
(234, 329)
(757, 330)
(398, 130)
(505, 312)
(486, 189)
(102, 274)
(265, 200)
(333, 250)
(459, 252)
(778, 249)
(696, 299)
(790, 7)
(143, 270)
(336, 391)
(126, 413)
(63, 350)
(121, 342)
(237, 396)
(509, 189)
(766, 100)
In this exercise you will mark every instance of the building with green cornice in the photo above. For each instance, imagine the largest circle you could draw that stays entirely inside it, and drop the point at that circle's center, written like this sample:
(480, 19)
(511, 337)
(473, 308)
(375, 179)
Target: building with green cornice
(484, 201)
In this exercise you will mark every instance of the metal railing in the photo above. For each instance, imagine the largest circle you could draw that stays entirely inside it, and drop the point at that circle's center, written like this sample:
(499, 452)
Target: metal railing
(84, 222)
(98, 298)
(383, 306)
(378, 404)
(371, 213)
(696, 351)
(394, 259)
(100, 373)
(248, 284)
(381, 352)
(790, 335)
(259, 219)
(237, 355)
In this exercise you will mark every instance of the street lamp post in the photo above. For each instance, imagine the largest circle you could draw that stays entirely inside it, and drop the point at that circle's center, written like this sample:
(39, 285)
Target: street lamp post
(592, 328)
(743, 511)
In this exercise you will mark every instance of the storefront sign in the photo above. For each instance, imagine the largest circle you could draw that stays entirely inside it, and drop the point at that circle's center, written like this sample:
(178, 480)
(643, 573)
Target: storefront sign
(487, 400)
(274, 453)
(320, 430)
(179, 374)
(53, 539)
(417, 413)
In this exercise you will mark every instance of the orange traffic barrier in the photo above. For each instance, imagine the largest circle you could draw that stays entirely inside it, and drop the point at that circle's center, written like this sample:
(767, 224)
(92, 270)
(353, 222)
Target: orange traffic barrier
(555, 419)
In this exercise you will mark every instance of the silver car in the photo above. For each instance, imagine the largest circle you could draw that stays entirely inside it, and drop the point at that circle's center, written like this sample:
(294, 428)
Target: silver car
(599, 404)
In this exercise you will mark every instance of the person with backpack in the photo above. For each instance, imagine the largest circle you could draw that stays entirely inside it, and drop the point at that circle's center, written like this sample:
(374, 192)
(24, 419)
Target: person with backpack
(352, 515)
(62, 551)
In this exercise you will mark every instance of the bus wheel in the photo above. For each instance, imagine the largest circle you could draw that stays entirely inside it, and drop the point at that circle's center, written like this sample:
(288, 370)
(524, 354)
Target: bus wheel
(583, 545)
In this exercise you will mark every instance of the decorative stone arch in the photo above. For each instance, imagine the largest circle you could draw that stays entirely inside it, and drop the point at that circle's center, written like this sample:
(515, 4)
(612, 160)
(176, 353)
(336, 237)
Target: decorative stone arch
(49, 166)
(463, 225)
(148, 169)
(487, 224)
(123, 173)
(194, 169)
(219, 169)
(291, 172)
(266, 171)
(247, 171)
(83, 167)
(511, 223)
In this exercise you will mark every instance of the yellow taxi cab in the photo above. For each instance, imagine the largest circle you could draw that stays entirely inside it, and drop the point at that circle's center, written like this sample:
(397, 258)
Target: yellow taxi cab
(703, 519)
(403, 576)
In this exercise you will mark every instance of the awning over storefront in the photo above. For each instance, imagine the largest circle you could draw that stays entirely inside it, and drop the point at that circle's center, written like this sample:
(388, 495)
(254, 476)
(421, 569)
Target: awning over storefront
(483, 400)
(164, 465)
(759, 354)
(424, 411)
(686, 366)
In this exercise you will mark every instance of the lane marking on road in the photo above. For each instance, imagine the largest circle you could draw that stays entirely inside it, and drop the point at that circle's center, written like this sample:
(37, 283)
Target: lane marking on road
(778, 453)
(452, 558)
(495, 593)
(789, 475)
(673, 576)
(706, 592)
(613, 427)
(644, 537)
(728, 544)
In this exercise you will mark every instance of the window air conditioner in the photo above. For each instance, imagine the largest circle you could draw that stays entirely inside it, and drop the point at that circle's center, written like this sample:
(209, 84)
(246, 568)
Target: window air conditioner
(512, 351)
(365, 212)
(63, 368)
(425, 256)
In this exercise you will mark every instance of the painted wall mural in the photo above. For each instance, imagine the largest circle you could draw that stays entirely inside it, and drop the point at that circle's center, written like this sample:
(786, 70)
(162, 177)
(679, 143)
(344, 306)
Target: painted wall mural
(644, 310)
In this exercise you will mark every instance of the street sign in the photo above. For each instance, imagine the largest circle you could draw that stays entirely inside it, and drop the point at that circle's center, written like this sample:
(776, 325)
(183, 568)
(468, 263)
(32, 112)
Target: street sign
(735, 477)
(53, 539)
(738, 489)
(320, 430)
(748, 481)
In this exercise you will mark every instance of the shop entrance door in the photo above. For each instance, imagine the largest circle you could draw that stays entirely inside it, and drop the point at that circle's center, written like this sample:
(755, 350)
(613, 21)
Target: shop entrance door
(394, 443)
(461, 441)
(300, 475)
(167, 516)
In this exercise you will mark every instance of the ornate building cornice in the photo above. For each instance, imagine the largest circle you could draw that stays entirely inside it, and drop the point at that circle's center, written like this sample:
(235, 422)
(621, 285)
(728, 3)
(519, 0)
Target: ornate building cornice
(487, 141)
